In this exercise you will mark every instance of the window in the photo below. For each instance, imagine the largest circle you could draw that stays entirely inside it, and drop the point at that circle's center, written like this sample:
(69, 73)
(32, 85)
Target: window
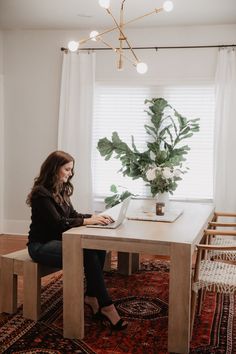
(122, 109)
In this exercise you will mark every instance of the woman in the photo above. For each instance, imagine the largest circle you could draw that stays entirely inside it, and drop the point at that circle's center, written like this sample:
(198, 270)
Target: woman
(51, 214)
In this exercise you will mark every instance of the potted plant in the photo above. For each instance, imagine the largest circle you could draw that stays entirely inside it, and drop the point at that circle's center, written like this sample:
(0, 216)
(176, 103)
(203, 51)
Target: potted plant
(161, 164)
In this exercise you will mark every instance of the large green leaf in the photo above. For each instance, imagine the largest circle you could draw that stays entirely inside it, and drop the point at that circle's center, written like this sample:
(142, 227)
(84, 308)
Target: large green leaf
(105, 146)
(113, 188)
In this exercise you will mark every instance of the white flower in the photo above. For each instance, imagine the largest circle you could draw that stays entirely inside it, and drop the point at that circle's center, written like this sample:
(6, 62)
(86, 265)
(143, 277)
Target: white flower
(177, 173)
(151, 174)
(167, 173)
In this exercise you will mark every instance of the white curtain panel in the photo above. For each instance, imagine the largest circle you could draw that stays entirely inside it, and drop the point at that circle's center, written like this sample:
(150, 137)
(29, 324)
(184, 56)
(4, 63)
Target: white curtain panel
(75, 122)
(1, 154)
(225, 132)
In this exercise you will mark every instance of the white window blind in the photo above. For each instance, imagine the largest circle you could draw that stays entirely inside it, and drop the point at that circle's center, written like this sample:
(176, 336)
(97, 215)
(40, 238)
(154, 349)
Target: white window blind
(122, 109)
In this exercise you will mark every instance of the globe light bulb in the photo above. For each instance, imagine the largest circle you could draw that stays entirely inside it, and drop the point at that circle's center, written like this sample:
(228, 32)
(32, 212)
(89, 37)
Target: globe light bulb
(141, 68)
(73, 46)
(168, 6)
(104, 3)
(93, 36)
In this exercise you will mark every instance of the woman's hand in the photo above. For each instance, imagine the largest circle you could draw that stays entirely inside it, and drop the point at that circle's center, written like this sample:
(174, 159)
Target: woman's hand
(98, 220)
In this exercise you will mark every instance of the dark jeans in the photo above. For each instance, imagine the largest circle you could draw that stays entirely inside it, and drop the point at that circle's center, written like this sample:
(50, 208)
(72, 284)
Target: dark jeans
(50, 254)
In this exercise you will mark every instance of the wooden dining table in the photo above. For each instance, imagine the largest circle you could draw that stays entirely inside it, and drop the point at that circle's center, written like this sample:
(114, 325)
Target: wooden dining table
(174, 239)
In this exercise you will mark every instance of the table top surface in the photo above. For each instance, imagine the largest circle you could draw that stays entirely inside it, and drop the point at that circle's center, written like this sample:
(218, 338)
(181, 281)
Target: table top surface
(187, 228)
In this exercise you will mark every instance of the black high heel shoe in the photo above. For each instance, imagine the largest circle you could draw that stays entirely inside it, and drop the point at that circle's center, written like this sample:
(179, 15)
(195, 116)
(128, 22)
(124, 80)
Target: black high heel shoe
(119, 326)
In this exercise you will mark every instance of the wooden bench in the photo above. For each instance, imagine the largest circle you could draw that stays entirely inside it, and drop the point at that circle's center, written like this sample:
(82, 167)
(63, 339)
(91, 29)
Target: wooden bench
(20, 263)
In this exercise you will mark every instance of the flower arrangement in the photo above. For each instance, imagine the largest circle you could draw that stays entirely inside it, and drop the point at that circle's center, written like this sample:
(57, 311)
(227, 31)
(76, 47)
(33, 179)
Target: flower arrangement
(161, 164)
(163, 179)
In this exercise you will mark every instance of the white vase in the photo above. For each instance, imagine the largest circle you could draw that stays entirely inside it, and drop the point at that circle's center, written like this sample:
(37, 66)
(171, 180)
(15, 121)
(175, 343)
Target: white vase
(163, 198)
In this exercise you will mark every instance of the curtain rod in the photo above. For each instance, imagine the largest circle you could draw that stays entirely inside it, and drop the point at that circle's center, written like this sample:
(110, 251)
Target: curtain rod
(168, 47)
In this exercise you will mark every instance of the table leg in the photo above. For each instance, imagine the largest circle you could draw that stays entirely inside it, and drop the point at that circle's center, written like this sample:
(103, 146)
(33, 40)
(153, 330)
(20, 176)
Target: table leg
(107, 265)
(128, 263)
(179, 298)
(73, 287)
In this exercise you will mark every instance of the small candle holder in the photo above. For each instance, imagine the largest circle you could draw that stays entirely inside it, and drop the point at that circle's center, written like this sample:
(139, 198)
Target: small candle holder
(160, 208)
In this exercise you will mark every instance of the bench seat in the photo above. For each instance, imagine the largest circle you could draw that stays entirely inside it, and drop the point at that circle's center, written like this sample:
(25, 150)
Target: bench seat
(11, 266)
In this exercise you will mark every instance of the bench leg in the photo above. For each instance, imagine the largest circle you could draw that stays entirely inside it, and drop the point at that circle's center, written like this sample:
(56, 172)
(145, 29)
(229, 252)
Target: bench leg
(8, 286)
(32, 291)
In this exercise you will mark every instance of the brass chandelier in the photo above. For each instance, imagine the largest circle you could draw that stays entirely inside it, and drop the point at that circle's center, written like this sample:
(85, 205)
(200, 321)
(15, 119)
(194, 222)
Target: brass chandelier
(141, 67)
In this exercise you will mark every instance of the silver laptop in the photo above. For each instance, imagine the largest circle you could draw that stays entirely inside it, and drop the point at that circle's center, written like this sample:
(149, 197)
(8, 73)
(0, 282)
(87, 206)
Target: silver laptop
(118, 213)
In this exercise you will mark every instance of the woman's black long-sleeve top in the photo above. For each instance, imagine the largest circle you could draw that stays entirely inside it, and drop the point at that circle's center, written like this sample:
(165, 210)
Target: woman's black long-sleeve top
(50, 219)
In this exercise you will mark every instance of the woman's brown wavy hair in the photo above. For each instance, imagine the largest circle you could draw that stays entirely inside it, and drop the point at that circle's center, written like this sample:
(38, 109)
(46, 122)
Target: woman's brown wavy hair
(48, 178)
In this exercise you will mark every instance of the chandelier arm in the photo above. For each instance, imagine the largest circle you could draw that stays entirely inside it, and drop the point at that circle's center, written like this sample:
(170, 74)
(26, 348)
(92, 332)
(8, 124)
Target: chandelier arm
(82, 41)
(109, 45)
(121, 38)
(128, 59)
(122, 4)
(147, 14)
(118, 26)
(117, 50)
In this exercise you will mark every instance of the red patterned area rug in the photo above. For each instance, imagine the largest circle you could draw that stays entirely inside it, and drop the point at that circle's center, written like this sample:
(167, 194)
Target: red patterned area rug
(142, 299)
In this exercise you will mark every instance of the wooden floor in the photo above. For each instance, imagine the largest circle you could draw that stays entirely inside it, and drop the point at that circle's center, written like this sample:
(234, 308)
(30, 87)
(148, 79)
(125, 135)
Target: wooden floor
(11, 243)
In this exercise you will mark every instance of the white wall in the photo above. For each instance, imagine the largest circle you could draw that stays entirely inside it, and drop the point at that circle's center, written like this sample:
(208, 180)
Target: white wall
(32, 68)
(1, 134)
(173, 63)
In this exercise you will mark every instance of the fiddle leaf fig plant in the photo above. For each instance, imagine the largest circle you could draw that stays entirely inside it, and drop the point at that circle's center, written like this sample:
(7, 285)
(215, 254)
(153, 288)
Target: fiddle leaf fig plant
(160, 165)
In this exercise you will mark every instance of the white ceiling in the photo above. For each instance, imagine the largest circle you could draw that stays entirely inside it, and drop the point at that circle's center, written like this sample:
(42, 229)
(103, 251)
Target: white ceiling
(87, 14)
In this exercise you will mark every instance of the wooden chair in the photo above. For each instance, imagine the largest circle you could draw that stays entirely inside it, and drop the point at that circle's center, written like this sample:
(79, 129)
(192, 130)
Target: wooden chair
(222, 239)
(211, 275)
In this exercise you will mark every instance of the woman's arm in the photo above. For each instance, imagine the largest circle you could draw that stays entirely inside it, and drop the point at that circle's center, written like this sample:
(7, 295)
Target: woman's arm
(75, 214)
(89, 219)
(45, 209)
